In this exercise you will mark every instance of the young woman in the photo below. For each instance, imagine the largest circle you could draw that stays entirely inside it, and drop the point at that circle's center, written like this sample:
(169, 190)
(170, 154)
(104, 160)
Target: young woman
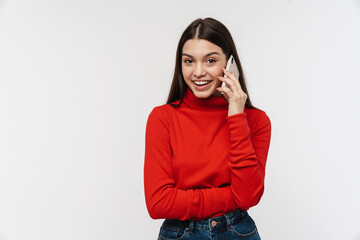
(205, 156)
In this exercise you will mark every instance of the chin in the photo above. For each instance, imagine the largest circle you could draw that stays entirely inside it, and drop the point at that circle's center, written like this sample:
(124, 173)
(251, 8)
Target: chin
(203, 94)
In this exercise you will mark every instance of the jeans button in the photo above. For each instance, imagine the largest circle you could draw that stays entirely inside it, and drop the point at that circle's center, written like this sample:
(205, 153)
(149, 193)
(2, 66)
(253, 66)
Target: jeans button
(213, 223)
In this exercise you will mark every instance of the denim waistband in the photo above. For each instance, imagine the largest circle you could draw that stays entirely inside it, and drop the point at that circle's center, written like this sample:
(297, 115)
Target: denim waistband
(211, 223)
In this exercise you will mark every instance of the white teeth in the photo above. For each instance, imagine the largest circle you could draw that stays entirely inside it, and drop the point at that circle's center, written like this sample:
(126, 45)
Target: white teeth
(201, 82)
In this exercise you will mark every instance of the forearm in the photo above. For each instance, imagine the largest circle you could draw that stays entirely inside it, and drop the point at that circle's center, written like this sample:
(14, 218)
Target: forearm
(248, 158)
(163, 199)
(173, 203)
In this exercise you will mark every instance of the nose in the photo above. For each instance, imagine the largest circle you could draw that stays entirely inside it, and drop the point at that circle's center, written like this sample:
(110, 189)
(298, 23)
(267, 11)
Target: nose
(199, 70)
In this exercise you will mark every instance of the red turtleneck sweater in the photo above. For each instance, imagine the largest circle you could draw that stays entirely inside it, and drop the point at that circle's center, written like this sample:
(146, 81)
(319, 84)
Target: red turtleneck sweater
(200, 163)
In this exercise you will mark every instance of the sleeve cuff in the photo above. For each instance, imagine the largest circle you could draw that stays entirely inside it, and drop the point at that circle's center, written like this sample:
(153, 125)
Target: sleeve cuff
(238, 124)
(241, 115)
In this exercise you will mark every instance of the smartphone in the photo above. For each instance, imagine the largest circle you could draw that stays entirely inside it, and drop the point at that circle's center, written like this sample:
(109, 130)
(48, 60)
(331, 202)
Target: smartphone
(231, 66)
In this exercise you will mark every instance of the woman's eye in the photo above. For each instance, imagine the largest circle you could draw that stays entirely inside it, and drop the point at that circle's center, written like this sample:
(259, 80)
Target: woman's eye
(190, 61)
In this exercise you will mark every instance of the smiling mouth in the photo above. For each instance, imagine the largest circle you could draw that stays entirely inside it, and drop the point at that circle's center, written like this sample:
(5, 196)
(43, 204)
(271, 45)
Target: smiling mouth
(202, 83)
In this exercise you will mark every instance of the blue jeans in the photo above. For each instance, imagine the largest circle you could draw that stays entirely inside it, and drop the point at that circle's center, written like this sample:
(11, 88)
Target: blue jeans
(234, 225)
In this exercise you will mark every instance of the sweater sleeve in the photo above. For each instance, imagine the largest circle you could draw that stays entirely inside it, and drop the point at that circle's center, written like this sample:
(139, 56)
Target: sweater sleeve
(163, 199)
(248, 156)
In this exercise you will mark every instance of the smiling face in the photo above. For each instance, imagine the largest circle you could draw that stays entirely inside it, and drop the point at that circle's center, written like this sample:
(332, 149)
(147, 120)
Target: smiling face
(202, 61)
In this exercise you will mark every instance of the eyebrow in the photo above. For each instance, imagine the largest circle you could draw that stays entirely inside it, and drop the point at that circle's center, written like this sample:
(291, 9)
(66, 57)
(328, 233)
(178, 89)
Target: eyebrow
(185, 54)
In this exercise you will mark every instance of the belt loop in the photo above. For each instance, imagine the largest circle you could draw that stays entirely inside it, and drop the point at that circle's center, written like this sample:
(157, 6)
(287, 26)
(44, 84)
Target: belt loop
(191, 225)
(227, 221)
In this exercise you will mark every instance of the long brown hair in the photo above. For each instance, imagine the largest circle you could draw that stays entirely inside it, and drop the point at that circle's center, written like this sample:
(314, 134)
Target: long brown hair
(216, 33)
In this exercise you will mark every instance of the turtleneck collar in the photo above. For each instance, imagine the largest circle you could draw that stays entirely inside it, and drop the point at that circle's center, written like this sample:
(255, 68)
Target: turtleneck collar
(212, 103)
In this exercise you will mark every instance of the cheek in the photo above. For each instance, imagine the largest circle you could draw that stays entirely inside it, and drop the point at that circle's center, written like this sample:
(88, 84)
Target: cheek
(186, 73)
(217, 71)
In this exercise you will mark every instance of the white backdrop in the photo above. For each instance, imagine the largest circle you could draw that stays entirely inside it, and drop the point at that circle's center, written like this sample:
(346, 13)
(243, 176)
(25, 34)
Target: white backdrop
(78, 79)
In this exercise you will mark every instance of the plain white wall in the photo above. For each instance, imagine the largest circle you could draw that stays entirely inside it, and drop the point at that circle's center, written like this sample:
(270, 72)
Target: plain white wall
(78, 79)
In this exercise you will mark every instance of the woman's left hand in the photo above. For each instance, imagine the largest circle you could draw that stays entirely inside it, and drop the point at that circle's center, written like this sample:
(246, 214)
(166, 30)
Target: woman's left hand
(237, 97)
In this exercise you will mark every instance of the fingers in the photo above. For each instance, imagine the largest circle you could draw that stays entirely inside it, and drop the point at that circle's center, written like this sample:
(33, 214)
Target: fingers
(227, 91)
(231, 75)
(229, 82)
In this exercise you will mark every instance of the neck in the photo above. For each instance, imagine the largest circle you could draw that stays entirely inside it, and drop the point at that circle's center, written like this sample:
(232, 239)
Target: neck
(212, 103)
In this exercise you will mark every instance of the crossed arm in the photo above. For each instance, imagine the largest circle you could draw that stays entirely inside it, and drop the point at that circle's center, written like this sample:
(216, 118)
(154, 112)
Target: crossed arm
(247, 163)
